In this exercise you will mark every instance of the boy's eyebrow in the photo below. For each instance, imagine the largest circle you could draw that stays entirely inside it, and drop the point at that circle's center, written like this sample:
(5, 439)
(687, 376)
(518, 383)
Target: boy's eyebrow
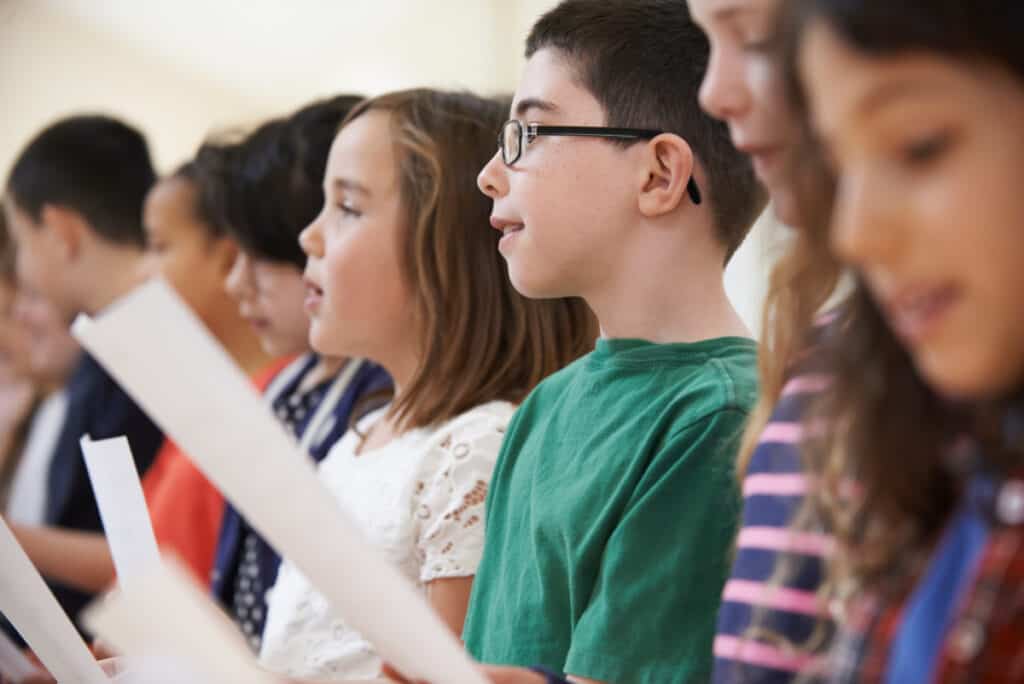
(524, 106)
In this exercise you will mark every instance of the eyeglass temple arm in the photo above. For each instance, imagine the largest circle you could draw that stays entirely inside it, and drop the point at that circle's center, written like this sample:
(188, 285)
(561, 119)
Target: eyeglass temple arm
(533, 130)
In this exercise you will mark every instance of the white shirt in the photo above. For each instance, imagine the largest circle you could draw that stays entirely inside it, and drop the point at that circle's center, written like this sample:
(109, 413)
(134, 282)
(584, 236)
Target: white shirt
(420, 499)
(27, 501)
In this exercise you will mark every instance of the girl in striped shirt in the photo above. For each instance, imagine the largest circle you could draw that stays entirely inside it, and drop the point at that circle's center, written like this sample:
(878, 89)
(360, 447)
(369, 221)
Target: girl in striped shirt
(771, 621)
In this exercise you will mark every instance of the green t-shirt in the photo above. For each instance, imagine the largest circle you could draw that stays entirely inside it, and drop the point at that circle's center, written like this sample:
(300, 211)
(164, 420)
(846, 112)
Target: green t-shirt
(611, 514)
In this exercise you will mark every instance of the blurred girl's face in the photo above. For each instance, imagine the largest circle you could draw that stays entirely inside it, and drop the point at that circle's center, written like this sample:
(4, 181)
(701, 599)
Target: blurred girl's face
(742, 87)
(180, 248)
(928, 156)
(270, 296)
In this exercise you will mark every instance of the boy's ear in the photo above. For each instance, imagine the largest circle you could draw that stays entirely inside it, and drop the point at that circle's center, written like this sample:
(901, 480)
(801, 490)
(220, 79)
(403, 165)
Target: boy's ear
(67, 230)
(668, 170)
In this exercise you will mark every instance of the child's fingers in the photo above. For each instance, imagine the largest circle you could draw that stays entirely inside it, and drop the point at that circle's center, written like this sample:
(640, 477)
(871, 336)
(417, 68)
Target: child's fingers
(102, 650)
(39, 679)
(512, 675)
(112, 666)
(394, 675)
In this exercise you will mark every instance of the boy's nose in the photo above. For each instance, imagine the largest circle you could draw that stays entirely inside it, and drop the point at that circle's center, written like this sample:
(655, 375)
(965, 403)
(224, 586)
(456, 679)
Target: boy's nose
(493, 180)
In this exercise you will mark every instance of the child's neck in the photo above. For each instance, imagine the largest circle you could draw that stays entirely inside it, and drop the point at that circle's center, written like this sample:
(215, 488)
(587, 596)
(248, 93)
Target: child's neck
(119, 269)
(243, 345)
(326, 368)
(664, 299)
(401, 366)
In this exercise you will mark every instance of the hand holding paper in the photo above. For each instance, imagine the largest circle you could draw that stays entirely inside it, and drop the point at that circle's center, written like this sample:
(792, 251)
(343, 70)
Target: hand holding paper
(14, 665)
(30, 606)
(190, 632)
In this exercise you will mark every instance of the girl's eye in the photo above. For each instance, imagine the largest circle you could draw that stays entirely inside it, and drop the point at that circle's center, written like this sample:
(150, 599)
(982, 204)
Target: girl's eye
(756, 37)
(349, 210)
(761, 46)
(925, 150)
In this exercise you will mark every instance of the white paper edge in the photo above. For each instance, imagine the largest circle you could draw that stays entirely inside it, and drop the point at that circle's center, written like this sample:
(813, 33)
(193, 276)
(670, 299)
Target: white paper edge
(122, 506)
(165, 615)
(31, 607)
(14, 665)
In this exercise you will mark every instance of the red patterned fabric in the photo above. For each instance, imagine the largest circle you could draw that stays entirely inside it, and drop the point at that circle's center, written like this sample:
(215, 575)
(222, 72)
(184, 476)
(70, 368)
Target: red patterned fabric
(985, 641)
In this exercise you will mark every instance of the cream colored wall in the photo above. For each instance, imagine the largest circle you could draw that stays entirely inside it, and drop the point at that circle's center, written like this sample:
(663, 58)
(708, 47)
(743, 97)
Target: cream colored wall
(178, 69)
(181, 69)
(52, 66)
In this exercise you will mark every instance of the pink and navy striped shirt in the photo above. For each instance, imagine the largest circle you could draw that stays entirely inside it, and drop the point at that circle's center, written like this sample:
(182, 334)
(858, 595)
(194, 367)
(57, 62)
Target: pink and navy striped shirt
(773, 490)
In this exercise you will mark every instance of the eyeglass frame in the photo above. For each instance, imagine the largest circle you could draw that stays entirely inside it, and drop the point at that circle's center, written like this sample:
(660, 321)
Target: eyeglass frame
(531, 131)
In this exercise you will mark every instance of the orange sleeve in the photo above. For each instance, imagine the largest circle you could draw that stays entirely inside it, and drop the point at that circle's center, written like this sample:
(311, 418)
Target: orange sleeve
(186, 509)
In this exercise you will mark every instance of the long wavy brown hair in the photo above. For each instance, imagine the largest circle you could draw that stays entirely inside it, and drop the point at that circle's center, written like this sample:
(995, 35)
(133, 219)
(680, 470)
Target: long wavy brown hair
(801, 282)
(482, 340)
(879, 433)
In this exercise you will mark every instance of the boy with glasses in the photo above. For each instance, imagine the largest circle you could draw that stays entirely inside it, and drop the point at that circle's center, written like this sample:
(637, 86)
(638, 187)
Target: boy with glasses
(613, 506)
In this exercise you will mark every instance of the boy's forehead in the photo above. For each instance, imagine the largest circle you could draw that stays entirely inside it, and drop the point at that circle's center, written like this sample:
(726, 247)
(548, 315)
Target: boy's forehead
(550, 89)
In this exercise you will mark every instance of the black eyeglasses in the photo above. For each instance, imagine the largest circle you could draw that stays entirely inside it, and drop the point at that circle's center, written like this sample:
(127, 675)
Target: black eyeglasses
(515, 136)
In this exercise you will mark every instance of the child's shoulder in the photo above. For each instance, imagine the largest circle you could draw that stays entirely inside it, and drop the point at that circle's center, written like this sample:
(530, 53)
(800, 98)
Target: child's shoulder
(733, 367)
(565, 375)
(479, 421)
(470, 440)
(708, 376)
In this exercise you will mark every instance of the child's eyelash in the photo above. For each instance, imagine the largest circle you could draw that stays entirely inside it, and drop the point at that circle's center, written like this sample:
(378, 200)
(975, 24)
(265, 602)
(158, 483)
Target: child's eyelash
(760, 47)
(926, 149)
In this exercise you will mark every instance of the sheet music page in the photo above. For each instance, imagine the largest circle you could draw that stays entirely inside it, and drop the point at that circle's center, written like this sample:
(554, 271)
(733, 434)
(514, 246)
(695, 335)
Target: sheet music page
(190, 635)
(14, 665)
(122, 505)
(31, 607)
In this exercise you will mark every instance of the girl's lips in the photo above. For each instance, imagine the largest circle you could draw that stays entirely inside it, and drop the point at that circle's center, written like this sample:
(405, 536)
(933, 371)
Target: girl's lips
(508, 235)
(258, 323)
(767, 163)
(314, 296)
(312, 303)
(916, 312)
(503, 225)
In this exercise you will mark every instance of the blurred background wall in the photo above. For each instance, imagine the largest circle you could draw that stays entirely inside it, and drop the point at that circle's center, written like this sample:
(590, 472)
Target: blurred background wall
(182, 69)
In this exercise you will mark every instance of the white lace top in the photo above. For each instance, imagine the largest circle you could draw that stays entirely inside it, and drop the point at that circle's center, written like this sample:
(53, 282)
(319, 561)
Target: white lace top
(419, 498)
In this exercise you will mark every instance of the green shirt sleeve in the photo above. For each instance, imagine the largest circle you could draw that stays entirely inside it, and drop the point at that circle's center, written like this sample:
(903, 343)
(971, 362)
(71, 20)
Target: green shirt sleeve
(651, 618)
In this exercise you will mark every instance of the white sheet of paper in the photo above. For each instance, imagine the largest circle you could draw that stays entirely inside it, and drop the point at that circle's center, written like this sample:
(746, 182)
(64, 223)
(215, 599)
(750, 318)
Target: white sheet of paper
(31, 607)
(14, 665)
(190, 630)
(163, 356)
(122, 506)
